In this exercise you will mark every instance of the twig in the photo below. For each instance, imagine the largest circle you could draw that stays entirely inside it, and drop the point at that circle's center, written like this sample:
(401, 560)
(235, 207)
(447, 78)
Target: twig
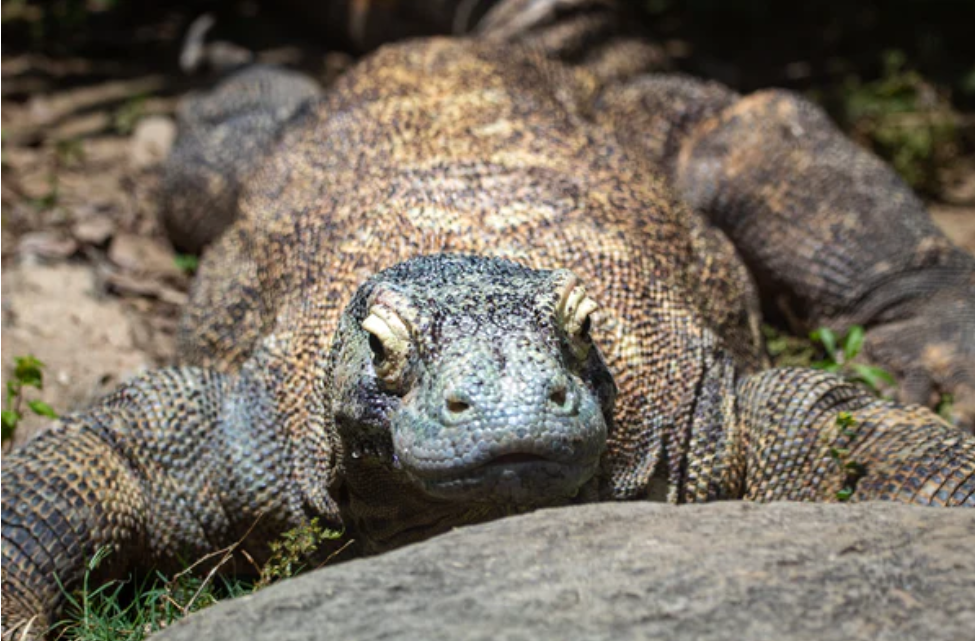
(335, 553)
(251, 560)
(25, 632)
(228, 553)
(229, 548)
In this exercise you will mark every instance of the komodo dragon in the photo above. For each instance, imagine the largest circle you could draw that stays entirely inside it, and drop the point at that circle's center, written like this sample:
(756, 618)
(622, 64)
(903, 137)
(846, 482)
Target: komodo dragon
(471, 280)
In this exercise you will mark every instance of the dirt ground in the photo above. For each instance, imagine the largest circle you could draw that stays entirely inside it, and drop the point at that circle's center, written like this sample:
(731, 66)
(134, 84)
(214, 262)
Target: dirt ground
(90, 285)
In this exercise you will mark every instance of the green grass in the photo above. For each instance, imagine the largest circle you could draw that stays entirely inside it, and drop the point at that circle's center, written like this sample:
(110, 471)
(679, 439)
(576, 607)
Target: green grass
(132, 609)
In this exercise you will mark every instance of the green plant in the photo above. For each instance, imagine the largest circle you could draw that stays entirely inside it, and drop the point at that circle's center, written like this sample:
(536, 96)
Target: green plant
(186, 263)
(904, 119)
(130, 610)
(28, 372)
(129, 114)
(845, 426)
(787, 350)
(945, 407)
(840, 353)
(290, 553)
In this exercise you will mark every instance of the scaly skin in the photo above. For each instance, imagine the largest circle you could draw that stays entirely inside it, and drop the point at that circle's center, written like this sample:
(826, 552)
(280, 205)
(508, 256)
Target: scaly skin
(814, 217)
(342, 375)
(222, 139)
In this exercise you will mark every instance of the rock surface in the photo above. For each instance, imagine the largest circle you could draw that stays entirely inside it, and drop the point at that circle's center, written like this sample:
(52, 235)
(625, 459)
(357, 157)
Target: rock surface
(152, 140)
(638, 570)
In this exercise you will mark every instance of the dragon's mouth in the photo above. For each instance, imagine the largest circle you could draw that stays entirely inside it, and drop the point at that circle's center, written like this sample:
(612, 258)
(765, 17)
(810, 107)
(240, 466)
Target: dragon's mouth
(534, 462)
(517, 458)
(518, 478)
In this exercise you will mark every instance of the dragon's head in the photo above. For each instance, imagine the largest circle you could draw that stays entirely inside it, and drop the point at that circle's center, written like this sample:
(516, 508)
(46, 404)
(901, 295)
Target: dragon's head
(476, 378)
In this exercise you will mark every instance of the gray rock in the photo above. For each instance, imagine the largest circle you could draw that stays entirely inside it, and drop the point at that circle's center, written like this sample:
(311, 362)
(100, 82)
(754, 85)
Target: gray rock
(46, 244)
(640, 571)
(94, 230)
(142, 255)
(152, 141)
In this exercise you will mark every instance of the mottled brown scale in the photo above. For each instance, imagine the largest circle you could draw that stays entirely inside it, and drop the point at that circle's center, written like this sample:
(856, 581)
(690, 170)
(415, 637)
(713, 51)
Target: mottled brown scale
(493, 147)
(485, 157)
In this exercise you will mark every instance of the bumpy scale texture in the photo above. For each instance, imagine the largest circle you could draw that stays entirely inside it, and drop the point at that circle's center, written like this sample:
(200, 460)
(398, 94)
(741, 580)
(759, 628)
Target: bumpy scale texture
(396, 334)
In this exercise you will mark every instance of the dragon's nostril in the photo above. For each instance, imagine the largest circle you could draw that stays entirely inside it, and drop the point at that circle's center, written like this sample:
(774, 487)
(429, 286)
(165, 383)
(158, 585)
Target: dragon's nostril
(558, 396)
(455, 406)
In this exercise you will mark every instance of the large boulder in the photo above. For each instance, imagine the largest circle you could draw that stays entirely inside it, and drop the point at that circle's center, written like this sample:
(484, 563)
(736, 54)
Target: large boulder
(639, 570)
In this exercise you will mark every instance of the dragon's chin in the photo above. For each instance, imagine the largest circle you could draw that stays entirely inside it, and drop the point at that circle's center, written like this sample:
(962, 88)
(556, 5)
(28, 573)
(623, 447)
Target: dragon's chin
(514, 480)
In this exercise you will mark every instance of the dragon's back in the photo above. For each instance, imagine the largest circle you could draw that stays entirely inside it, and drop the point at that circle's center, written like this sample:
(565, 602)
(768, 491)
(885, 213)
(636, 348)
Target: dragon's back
(454, 146)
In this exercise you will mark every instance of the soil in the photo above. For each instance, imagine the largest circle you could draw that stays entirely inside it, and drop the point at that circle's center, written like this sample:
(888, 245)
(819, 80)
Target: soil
(90, 284)
(66, 207)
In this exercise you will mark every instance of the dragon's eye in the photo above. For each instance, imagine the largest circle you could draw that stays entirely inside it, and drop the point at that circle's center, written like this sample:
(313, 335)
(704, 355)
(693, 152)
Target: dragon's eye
(378, 351)
(575, 315)
(586, 326)
(390, 343)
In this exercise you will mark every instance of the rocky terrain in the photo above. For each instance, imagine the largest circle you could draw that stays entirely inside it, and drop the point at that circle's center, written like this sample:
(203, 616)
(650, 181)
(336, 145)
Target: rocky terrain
(732, 571)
